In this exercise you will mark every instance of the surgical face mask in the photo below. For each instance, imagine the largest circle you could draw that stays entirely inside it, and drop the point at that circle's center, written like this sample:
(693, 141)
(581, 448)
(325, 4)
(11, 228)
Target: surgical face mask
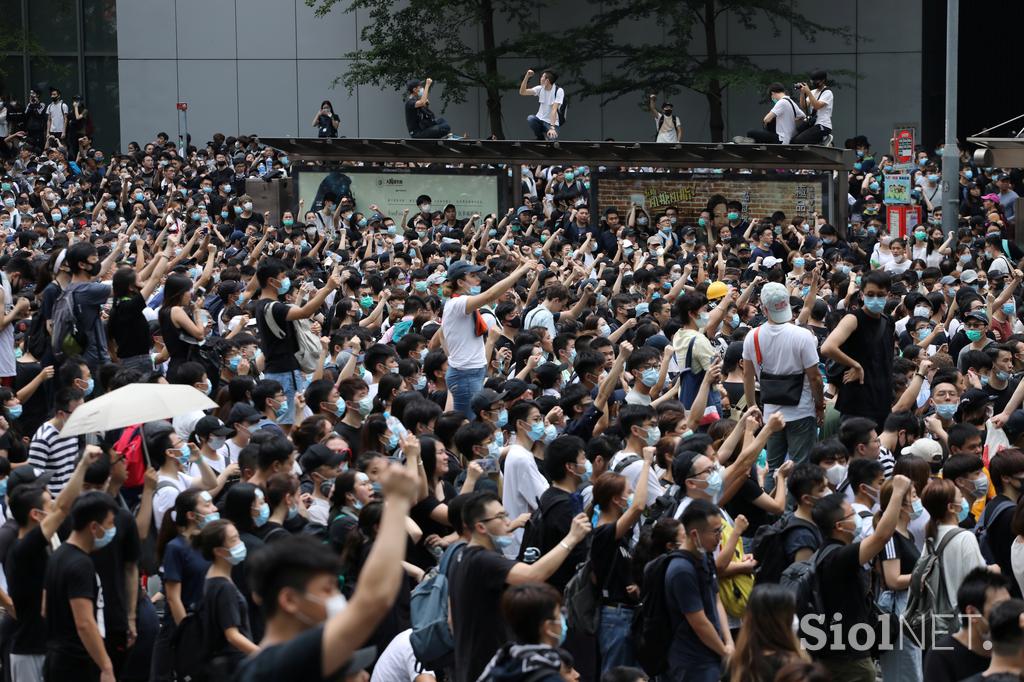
(652, 436)
(206, 519)
(536, 431)
(286, 284)
(281, 410)
(236, 554)
(550, 433)
(923, 333)
(702, 319)
(836, 474)
(714, 484)
(263, 515)
(493, 449)
(916, 509)
(965, 509)
(502, 418)
(981, 486)
(858, 530)
(798, 262)
(649, 377)
(105, 539)
(475, 289)
(14, 411)
(216, 442)
(974, 334)
(501, 542)
(732, 215)
(922, 311)
(875, 304)
(946, 411)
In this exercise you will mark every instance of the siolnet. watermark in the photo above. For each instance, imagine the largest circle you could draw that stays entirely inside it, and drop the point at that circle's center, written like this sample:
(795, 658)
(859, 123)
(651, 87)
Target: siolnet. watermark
(888, 632)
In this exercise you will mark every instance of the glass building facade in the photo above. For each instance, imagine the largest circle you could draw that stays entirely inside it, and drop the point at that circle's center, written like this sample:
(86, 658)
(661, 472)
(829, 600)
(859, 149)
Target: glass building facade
(67, 44)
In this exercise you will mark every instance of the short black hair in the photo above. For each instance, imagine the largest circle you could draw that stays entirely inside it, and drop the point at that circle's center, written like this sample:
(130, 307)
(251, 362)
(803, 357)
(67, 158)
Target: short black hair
(879, 278)
(697, 514)
(561, 451)
(1004, 627)
(827, 512)
(961, 465)
(25, 499)
(291, 562)
(855, 431)
(976, 585)
(863, 471)
(476, 508)
(804, 478)
(90, 507)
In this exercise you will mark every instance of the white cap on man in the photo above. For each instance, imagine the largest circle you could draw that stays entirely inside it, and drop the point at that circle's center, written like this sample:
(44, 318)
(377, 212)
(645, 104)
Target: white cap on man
(775, 299)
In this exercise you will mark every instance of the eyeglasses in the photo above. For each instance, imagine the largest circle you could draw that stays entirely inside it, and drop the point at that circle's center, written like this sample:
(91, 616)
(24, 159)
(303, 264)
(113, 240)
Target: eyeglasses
(503, 516)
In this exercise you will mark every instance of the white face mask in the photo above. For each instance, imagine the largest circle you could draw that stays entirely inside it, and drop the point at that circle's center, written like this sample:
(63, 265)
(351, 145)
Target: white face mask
(836, 474)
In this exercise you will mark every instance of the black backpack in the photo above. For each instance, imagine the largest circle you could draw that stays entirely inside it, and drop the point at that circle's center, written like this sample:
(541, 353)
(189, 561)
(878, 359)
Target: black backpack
(992, 512)
(769, 548)
(189, 647)
(532, 547)
(652, 627)
(563, 108)
(663, 507)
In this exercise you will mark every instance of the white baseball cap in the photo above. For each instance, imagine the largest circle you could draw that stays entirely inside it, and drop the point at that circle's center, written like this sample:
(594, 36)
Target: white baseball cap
(775, 300)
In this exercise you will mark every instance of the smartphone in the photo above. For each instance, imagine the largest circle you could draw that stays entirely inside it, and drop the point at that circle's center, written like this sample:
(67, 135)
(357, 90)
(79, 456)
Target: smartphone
(488, 464)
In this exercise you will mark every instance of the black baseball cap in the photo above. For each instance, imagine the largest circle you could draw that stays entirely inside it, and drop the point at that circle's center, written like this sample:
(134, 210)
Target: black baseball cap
(318, 455)
(483, 400)
(27, 475)
(243, 412)
(212, 426)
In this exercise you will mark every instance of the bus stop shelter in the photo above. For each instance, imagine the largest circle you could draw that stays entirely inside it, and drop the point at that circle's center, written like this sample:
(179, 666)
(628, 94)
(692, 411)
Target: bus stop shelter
(679, 156)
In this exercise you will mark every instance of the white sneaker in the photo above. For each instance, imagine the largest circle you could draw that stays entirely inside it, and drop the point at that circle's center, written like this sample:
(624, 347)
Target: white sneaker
(743, 139)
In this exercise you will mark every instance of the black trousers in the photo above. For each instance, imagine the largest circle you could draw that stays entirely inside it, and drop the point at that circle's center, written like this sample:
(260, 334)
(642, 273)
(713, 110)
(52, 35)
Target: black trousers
(812, 135)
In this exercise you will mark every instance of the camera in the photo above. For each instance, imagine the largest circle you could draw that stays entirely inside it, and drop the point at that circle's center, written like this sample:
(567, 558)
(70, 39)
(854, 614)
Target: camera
(798, 86)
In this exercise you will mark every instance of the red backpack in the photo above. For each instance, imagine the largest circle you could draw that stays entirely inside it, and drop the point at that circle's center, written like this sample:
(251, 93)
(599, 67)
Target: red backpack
(130, 445)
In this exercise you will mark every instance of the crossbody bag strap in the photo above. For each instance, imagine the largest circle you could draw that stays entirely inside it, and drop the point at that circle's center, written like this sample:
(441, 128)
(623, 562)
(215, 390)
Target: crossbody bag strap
(757, 348)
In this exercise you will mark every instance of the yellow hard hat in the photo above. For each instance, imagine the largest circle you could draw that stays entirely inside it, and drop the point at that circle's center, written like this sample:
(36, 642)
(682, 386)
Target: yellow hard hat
(717, 290)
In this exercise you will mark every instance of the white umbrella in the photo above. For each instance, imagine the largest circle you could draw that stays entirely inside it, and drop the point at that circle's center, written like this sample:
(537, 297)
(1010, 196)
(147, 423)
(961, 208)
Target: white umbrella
(135, 404)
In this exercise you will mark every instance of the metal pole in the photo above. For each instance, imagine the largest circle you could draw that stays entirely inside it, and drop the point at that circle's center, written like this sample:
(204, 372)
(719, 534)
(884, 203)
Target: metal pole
(950, 152)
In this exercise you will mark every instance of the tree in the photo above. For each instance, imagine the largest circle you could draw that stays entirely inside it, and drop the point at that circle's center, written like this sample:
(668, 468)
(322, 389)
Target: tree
(424, 38)
(670, 65)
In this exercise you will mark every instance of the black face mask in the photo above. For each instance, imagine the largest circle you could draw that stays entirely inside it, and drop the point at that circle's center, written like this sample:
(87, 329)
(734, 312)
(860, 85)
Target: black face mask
(94, 268)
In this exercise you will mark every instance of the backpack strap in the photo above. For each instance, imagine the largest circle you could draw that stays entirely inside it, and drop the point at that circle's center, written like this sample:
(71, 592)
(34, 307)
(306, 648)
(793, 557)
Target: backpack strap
(945, 541)
(164, 484)
(757, 348)
(626, 461)
(268, 318)
(997, 510)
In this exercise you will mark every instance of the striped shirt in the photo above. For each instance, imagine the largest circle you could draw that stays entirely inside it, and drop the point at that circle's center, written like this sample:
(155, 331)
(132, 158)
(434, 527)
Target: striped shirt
(53, 454)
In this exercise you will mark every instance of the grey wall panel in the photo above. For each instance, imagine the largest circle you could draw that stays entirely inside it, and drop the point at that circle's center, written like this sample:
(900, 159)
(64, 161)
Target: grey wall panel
(902, 102)
(382, 112)
(209, 86)
(267, 97)
(206, 29)
(314, 86)
(826, 14)
(892, 26)
(761, 40)
(746, 107)
(146, 29)
(148, 90)
(266, 29)
(329, 37)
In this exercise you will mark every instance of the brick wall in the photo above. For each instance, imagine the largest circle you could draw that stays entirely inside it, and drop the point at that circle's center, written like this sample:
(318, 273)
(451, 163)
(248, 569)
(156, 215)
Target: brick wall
(794, 195)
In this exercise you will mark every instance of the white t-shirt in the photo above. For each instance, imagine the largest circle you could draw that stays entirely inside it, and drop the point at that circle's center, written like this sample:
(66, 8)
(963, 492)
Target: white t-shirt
(786, 113)
(785, 349)
(1017, 560)
(959, 558)
(897, 268)
(632, 474)
(465, 348)
(398, 662)
(524, 485)
(164, 498)
(218, 466)
(825, 113)
(540, 316)
(667, 130)
(547, 98)
(58, 113)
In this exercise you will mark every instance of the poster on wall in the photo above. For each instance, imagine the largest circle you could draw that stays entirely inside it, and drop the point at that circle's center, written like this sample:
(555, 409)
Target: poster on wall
(759, 196)
(395, 192)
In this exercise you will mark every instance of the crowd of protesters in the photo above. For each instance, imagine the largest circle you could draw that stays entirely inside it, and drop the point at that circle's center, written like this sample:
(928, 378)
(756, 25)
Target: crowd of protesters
(563, 442)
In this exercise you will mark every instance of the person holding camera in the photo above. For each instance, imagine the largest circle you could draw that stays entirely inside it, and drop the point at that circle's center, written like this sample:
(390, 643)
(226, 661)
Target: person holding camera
(326, 121)
(816, 98)
(780, 124)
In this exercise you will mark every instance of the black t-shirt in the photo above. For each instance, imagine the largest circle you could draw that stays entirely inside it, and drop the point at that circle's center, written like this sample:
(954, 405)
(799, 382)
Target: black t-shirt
(297, 659)
(839, 572)
(69, 575)
(559, 508)
(1001, 396)
(951, 661)
(240, 577)
(476, 581)
(418, 554)
(26, 569)
(325, 125)
(1001, 535)
(36, 409)
(128, 326)
(351, 435)
(280, 352)
(224, 607)
(743, 503)
(611, 561)
(417, 118)
(110, 563)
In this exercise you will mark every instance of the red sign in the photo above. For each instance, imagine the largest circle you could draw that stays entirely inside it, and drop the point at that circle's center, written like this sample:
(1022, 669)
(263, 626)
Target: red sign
(901, 219)
(181, 106)
(903, 145)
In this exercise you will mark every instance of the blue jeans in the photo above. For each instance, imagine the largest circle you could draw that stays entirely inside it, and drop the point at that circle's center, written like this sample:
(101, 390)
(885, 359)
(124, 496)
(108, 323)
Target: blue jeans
(613, 637)
(795, 440)
(463, 384)
(292, 382)
(540, 127)
(903, 662)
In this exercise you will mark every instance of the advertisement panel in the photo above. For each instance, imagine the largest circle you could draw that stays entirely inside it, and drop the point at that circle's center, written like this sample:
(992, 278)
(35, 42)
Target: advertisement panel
(396, 191)
(897, 189)
(759, 195)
